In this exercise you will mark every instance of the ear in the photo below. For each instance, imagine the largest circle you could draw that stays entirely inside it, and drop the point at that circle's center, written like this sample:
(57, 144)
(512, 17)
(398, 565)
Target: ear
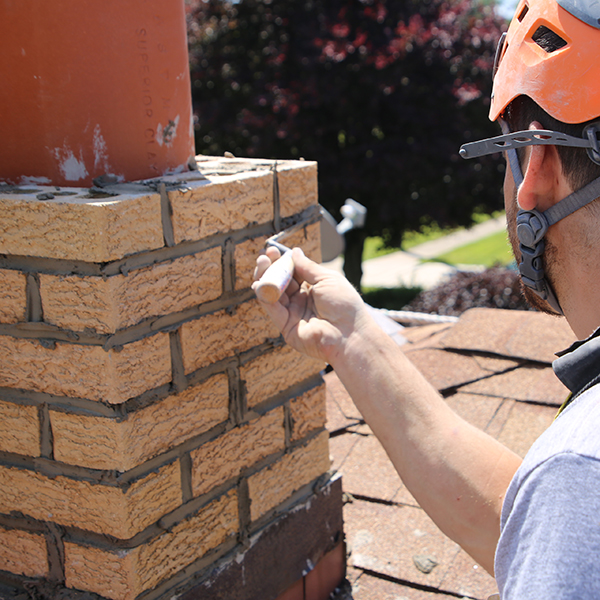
(543, 177)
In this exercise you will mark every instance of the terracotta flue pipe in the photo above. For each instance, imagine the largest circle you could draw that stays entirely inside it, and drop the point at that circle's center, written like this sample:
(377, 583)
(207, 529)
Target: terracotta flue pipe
(93, 88)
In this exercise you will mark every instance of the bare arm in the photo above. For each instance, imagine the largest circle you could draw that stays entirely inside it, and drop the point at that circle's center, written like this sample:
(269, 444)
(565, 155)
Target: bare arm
(457, 473)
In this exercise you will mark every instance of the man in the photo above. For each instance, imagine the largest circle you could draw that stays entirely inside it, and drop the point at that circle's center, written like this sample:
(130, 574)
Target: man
(539, 520)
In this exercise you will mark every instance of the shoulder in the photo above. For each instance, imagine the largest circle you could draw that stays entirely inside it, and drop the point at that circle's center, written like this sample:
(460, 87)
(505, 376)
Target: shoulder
(573, 433)
(550, 540)
(550, 526)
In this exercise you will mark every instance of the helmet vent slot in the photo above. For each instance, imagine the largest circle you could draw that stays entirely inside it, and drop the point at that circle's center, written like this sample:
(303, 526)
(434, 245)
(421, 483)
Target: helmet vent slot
(547, 39)
(523, 13)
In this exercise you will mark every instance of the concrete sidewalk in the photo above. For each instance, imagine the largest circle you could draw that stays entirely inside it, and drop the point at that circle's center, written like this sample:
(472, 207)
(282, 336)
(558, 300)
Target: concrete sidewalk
(405, 269)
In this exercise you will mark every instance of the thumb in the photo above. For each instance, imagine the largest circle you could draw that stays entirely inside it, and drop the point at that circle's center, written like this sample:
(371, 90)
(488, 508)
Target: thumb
(306, 269)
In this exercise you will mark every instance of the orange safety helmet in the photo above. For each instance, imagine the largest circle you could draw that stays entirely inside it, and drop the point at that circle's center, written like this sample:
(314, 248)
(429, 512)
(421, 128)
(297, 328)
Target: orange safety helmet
(551, 54)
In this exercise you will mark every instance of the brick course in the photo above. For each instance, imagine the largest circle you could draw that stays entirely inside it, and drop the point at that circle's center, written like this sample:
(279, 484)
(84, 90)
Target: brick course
(297, 186)
(112, 303)
(217, 461)
(272, 485)
(93, 507)
(308, 412)
(245, 261)
(80, 227)
(222, 203)
(124, 574)
(86, 371)
(276, 371)
(101, 443)
(221, 335)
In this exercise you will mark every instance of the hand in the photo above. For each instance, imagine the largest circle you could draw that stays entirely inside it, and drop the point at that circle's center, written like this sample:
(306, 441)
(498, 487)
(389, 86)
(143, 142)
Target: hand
(320, 310)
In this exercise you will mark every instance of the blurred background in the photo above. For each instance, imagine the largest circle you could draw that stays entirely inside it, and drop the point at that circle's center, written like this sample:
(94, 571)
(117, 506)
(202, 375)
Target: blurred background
(382, 93)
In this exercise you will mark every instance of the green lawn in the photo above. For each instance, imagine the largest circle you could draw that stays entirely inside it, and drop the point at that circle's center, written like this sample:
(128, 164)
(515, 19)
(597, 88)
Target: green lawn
(374, 245)
(490, 251)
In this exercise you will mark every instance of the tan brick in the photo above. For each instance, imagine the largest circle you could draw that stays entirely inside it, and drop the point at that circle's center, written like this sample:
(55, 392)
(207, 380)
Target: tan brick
(13, 286)
(99, 508)
(246, 254)
(307, 238)
(86, 371)
(308, 412)
(271, 486)
(276, 371)
(109, 304)
(217, 461)
(78, 227)
(222, 203)
(298, 187)
(100, 443)
(123, 575)
(19, 429)
(23, 553)
(219, 335)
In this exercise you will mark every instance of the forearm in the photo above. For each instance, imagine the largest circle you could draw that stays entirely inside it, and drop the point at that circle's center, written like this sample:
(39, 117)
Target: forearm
(457, 473)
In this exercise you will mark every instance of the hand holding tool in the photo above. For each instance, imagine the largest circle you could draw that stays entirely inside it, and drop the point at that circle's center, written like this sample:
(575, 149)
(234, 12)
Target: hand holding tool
(276, 278)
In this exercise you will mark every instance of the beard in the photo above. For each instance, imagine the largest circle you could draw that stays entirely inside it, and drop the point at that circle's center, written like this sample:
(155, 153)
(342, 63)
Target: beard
(548, 258)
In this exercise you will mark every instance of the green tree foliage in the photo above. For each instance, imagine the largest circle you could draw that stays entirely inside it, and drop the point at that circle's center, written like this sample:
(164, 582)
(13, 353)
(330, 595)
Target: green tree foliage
(380, 92)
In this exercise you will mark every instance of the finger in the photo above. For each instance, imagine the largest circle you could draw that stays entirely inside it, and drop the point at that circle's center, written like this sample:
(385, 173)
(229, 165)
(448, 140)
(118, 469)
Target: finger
(275, 279)
(292, 288)
(264, 260)
(273, 253)
(278, 313)
(262, 264)
(306, 269)
(285, 299)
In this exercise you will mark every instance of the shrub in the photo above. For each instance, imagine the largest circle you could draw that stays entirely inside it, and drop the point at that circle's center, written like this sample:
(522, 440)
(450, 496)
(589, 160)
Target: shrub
(497, 287)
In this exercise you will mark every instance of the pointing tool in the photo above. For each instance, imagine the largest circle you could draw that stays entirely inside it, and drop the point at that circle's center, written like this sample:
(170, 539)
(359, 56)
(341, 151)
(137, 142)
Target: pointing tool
(278, 276)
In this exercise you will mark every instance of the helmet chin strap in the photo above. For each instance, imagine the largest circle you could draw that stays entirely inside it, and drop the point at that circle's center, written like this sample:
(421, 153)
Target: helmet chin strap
(532, 226)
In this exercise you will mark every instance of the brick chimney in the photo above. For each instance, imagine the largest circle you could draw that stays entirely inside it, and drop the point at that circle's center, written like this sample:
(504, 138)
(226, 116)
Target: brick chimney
(157, 437)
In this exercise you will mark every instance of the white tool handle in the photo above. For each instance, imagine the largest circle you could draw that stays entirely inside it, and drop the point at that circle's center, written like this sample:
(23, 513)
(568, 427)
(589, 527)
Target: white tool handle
(275, 279)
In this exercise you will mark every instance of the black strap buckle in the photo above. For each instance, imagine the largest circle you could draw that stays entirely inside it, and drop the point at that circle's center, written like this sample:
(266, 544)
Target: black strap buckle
(592, 132)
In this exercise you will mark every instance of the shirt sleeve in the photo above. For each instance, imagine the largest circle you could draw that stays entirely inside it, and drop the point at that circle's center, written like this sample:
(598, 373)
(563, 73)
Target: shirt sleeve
(550, 544)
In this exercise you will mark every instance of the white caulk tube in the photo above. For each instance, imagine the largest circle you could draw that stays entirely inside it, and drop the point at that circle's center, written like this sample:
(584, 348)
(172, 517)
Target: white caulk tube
(275, 279)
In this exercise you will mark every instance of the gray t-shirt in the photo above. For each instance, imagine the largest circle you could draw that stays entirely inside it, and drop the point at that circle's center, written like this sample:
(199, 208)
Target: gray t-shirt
(549, 546)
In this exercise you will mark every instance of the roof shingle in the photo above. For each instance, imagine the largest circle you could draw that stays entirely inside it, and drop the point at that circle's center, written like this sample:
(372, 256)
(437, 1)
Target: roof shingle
(512, 333)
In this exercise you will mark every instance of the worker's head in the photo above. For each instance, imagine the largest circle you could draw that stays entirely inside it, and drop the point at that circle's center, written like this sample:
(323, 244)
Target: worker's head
(547, 69)
(546, 91)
